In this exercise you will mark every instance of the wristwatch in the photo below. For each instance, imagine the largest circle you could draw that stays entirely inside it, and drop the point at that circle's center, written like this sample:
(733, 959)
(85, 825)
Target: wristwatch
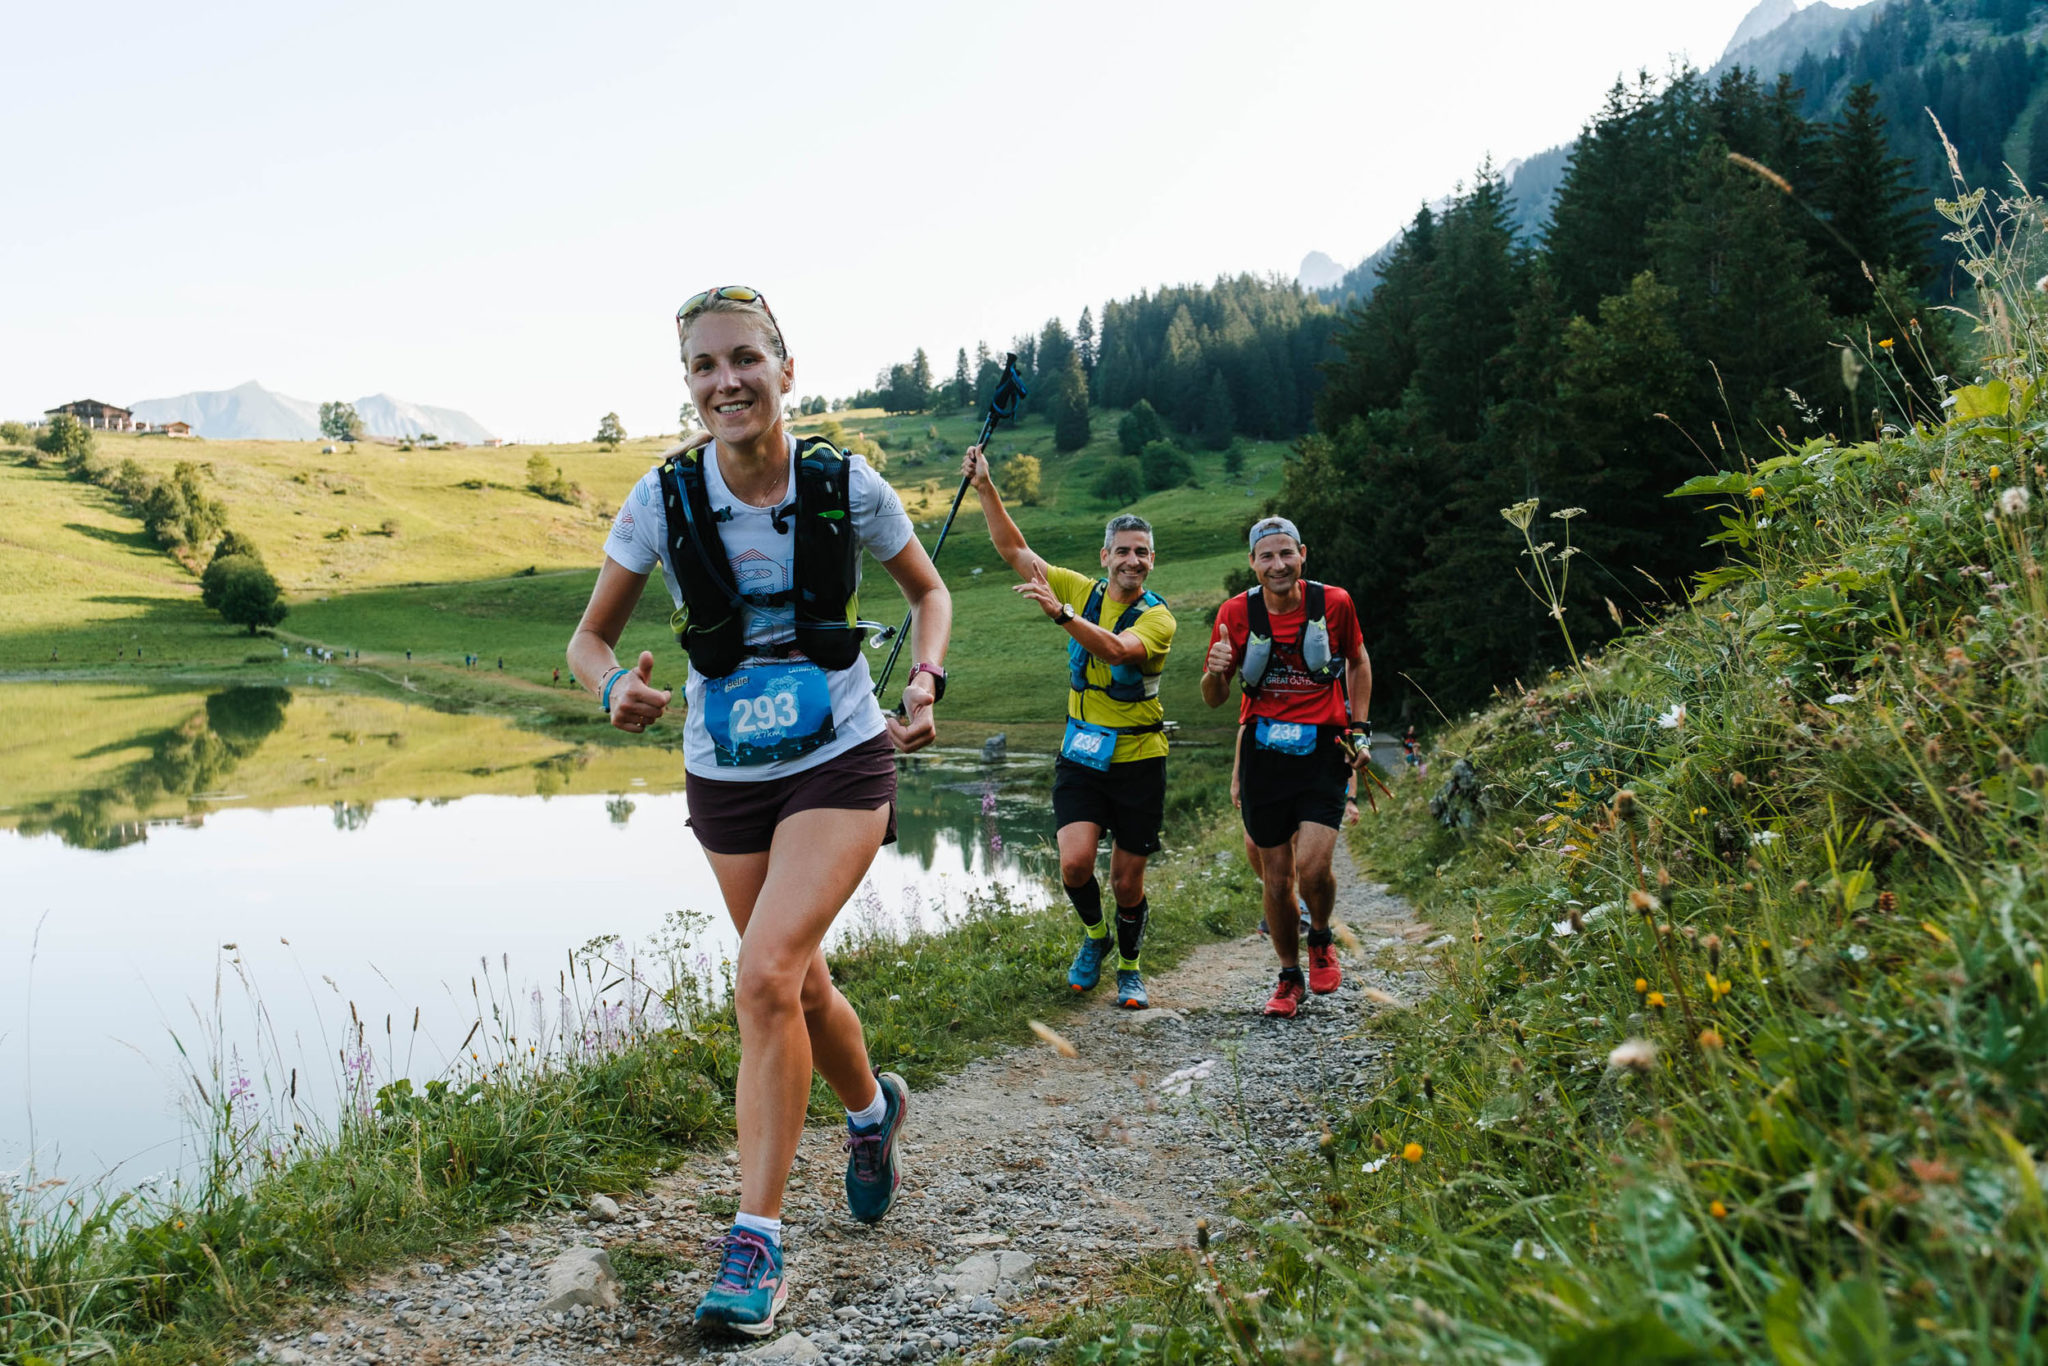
(1064, 615)
(938, 679)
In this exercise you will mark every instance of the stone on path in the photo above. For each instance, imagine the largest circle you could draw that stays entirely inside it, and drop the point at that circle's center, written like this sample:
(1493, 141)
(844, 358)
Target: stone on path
(789, 1347)
(1142, 1020)
(984, 1271)
(603, 1209)
(1028, 1347)
(581, 1275)
(982, 1239)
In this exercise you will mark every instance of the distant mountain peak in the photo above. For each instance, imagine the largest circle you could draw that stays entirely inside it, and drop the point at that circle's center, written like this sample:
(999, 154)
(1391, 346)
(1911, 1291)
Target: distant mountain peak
(1768, 15)
(1318, 271)
(250, 412)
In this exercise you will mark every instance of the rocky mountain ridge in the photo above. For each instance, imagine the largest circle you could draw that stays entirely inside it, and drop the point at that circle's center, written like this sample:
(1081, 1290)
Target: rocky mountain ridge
(250, 412)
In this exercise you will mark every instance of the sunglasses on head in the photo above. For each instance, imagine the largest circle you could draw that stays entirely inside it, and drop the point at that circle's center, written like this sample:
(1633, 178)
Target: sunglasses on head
(739, 294)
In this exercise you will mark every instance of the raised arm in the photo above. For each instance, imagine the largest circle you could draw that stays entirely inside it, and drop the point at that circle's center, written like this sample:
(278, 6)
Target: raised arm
(1009, 541)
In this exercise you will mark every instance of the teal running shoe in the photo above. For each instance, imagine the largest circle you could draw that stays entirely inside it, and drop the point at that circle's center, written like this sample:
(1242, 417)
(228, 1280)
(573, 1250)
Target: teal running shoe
(872, 1175)
(750, 1289)
(1130, 990)
(1087, 969)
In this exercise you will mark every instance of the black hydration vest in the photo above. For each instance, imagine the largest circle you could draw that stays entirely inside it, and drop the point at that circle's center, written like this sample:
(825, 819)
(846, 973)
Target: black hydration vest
(711, 624)
(1314, 644)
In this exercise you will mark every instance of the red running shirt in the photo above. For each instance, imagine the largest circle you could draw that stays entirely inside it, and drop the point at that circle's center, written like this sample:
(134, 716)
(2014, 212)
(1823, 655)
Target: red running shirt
(1288, 693)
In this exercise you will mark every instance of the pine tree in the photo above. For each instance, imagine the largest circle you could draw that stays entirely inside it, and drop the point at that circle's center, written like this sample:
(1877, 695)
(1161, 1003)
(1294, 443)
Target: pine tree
(1468, 309)
(1084, 342)
(920, 381)
(1866, 195)
(1378, 338)
(2036, 172)
(1070, 407)
(1219, 414)
(963, 383)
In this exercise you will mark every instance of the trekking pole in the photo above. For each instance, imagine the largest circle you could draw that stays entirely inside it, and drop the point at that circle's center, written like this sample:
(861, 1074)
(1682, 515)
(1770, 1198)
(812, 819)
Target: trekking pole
(1002, 404)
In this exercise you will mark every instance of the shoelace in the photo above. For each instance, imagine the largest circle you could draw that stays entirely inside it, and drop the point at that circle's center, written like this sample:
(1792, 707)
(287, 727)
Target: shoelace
(740, 1249)
(867, 1154)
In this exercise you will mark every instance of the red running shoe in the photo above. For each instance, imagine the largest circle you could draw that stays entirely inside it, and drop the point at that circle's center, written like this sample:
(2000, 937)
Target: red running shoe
(1286, 1001)
(1325, 973)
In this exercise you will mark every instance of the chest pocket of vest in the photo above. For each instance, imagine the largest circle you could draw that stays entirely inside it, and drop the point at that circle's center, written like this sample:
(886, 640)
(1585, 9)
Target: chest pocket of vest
(1285, 737)
(765, 713)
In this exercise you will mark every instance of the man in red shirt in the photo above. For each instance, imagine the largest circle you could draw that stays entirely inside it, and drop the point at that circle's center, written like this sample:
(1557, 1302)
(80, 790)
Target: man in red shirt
(1295, 648)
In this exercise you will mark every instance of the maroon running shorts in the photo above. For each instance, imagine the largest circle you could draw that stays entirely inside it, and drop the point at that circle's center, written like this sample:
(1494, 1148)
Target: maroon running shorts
(740, 818)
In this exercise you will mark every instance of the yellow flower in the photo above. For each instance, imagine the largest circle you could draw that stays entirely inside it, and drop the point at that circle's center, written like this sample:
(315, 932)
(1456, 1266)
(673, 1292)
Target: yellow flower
(1995, 471)
(1718, 1210)
(1412, 1153)
(1642, 985)
(1719, 986)
(1655, 999)
(1886, 344)
(1757, 492)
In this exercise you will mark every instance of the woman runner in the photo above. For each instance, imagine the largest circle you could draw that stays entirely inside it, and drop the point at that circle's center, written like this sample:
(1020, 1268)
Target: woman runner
(792, 778)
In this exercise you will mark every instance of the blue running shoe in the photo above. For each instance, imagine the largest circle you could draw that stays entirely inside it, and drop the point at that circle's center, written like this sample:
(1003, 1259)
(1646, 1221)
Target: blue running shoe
(872, 1175)
(1087, 969)
(750, 1289)
(1130, 990)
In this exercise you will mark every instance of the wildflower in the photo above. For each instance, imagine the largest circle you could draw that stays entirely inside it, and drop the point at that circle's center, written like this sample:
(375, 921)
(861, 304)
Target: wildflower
(1710, 1039)
(1643, 903)
(1712, 944)
(1858, 952)
(1757, 492)
(1518, 516)
(2013, 501)
(1374, 1165)
(1886, 344)
(1738, 780)
(1718, 1210)
(1759, 839)
(1625, 804)
(1633, 1055)
(1412, 1153)
(1642, 985)
(1995, 471)
(1655, 1000)
(1836, 699)
(1718, 987)
(1888, 903)
(1801, 887)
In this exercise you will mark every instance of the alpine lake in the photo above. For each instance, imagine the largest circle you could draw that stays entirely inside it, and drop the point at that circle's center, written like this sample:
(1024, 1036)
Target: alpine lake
(268, 887)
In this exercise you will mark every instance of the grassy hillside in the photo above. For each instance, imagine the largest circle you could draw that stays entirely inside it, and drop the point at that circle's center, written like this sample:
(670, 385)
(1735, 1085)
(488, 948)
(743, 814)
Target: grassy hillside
(1739, 1049)
(476, 562)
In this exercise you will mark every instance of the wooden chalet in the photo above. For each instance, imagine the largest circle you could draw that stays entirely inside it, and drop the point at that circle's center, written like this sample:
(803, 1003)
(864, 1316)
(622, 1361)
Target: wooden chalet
(103, 417)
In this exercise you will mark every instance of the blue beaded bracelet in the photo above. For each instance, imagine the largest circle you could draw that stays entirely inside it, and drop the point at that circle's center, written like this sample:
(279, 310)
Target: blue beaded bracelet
(611, 679)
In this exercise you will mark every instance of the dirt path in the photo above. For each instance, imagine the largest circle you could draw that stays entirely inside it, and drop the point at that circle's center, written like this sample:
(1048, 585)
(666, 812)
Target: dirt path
(1029, 1179)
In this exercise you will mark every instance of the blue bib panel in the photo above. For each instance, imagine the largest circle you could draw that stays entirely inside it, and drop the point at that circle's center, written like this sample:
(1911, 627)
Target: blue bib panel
(763, 713)
(1093, 746)
(1285, 737)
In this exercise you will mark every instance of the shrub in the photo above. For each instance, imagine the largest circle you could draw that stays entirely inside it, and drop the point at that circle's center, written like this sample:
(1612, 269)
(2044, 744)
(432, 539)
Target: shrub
(1020, 479)
(1165, 466)
(248, 595)
(17, 433)
(1121, 482)
(390, 526)
(66, 438)
(1140, 427)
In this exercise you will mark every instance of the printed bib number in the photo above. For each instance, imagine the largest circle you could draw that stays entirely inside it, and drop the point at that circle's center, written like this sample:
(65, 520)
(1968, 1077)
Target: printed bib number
(768, 712)
(1285, 737)
(1093, 746)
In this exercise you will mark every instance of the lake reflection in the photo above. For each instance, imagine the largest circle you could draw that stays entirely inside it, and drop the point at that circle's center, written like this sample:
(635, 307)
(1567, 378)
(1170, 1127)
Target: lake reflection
(293, 856)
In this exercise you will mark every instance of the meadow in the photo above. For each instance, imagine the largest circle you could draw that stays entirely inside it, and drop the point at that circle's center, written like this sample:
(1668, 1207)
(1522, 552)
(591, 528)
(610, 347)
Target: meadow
(476, 562)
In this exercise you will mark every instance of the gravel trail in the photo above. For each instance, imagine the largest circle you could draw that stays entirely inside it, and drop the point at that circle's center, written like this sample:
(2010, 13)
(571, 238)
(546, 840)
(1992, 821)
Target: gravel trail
(1029, 1179)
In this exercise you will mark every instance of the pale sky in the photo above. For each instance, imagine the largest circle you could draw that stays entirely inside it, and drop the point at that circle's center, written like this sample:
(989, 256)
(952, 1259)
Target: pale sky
(498, 208)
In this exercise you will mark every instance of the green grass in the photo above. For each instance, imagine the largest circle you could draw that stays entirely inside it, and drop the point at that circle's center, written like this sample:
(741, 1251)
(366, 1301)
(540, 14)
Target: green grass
(1812, 928)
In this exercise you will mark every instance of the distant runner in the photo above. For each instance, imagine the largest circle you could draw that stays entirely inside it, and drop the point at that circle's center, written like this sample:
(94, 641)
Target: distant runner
(1111, 773)
(1295, 647)
(792, 771)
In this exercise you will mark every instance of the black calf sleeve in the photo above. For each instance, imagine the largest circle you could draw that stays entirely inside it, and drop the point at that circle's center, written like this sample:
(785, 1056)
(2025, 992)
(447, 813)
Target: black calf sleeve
(1087, 899)
(1130, 930)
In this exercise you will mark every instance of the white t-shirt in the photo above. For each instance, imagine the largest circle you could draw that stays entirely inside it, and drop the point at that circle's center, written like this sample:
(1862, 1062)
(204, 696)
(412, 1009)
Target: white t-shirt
(763, 561)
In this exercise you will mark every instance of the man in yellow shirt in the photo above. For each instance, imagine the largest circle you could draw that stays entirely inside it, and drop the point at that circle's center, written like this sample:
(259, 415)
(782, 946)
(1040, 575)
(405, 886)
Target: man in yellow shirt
(1111, 773)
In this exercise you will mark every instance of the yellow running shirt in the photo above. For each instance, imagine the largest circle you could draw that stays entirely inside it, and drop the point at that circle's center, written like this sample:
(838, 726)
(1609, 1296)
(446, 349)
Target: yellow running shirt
(1155, 628)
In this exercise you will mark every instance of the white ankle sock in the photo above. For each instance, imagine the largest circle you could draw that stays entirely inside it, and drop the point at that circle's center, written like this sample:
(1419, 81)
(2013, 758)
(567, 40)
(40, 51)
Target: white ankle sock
(877, 1111)
(771, 1229)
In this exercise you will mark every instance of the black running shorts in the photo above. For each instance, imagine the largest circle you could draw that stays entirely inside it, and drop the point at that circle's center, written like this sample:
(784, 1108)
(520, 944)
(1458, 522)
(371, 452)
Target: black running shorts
(1126, 799)
(1279, 793)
